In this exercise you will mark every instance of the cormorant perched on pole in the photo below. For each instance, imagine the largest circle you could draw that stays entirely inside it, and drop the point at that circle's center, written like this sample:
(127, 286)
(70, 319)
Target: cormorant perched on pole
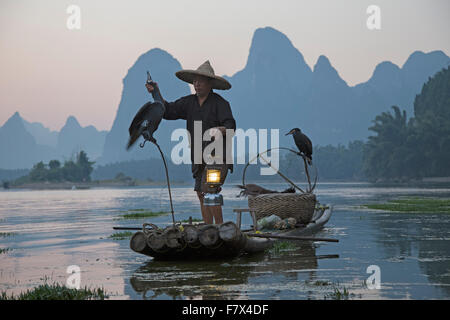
(303, 143)
(147, 120)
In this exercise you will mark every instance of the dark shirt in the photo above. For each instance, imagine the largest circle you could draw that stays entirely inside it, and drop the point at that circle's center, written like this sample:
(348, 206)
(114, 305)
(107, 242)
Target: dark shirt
(214, 112)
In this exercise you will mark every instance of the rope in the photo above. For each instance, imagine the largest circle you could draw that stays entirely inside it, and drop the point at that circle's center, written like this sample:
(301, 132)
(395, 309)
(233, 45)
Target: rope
(168, 182)
(167, 176)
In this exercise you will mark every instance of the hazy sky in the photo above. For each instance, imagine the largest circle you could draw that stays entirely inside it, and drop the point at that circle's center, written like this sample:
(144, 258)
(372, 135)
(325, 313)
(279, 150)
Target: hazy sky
(49, 72)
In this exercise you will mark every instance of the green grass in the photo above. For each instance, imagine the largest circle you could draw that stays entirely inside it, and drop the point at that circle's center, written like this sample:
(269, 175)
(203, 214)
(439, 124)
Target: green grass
(143, 214)
(121, 235)
(413, 205)
(337, 294)
(281, 247)
(57, 292)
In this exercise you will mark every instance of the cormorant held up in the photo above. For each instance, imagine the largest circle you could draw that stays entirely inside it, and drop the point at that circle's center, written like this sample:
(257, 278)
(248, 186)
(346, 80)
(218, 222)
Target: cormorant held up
(147, 120)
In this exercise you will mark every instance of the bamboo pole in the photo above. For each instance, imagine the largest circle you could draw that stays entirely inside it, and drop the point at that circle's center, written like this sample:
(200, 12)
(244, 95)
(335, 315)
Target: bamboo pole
(276, 236)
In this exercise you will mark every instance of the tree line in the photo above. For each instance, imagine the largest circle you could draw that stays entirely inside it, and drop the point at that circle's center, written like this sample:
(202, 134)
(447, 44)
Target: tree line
(405, 149)
(74, 170)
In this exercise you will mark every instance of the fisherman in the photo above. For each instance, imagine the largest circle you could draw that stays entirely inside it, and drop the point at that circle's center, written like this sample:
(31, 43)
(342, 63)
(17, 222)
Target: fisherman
(214, 112)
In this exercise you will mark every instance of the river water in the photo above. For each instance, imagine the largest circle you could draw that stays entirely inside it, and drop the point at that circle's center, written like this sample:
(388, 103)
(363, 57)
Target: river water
(52, 230)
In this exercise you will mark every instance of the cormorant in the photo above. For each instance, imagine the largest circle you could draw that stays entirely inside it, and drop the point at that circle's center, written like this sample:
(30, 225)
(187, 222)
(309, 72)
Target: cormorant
(255, 190)
(303, 143)
(147, 120)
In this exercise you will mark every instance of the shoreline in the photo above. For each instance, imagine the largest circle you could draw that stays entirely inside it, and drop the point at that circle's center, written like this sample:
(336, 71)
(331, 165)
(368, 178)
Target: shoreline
(134, 183)
(91, 185)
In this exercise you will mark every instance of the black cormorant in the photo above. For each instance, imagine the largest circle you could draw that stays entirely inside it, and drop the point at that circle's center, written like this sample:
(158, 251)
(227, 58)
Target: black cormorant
(147, 120)
(303, 143)
(255, 190)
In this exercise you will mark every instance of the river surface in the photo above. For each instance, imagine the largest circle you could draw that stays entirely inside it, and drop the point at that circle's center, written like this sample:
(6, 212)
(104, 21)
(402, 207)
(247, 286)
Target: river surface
(52, 230)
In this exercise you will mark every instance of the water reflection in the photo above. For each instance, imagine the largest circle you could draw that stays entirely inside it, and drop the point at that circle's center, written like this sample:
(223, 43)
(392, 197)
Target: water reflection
(422, 237)
(224, 279)
(54, 229)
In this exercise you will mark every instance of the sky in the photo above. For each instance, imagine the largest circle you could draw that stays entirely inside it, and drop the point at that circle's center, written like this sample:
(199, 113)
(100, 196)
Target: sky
(49, 72)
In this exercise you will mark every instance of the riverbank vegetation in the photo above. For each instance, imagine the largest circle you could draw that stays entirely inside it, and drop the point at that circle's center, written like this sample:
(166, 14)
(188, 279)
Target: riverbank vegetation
(75, 170)
(56, 291)
(405, 149)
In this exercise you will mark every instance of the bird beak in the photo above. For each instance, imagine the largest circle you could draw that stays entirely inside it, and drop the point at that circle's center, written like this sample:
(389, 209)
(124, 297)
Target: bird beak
(290, 132)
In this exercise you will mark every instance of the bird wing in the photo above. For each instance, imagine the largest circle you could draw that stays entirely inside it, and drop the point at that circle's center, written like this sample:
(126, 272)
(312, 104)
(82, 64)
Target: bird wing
(152, 112)
(308, 144)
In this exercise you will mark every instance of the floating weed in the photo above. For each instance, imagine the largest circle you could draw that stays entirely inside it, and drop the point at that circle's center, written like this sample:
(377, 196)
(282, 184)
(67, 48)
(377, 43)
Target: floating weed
(121, 235)
(320, 283)
(281, 246)
(339, 294)
(5, 250)
(193, 220)
(413, 205)
(57, 292)
(143, 214)
(6, 234)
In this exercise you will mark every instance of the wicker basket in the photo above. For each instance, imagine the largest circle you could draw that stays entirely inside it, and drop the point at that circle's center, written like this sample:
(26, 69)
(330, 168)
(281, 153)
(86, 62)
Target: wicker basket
(285, 205)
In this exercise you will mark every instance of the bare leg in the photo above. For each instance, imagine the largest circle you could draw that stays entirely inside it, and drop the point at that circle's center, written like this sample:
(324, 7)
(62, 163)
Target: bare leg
(216, 212)
(207, 217)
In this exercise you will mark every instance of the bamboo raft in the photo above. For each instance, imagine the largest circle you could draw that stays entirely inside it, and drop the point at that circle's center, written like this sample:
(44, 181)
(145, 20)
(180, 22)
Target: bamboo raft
(205, 241)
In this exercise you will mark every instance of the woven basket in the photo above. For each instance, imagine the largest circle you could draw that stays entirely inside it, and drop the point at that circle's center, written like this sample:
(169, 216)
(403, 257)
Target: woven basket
(285, 205)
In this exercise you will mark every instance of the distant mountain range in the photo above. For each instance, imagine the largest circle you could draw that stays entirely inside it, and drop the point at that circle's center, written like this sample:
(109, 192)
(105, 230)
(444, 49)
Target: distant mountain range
(275, 90)
(23, 144)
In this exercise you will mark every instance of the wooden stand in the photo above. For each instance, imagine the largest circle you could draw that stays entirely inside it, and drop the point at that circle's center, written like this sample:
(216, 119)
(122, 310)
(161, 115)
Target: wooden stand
(239, 217)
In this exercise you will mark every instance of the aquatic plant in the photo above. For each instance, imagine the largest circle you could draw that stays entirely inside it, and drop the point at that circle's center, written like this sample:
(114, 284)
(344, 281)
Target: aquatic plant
(321, 283)
(193, 220)
(6, 234)
(121, 235)
(281, 246)
(413, 205)
(338, 295)
(143, 214)
(56, 291)
(5, 250)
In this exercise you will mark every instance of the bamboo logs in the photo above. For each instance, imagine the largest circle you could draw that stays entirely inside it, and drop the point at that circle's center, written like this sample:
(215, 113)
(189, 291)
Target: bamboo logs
(232, 235)
(209, 236)
(190, 236)
(174, 238)
(138, 243)
(190, 241)
(156, 240)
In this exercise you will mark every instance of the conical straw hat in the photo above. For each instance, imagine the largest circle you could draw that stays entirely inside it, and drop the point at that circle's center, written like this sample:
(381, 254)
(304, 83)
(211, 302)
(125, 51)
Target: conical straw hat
(204, 70)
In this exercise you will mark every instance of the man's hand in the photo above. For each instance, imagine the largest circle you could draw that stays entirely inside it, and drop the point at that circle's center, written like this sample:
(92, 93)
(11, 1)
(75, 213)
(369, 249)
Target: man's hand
(213, 131)
(146, 135)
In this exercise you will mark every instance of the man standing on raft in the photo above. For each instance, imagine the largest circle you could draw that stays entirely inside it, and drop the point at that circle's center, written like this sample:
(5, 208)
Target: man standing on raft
(212, 111)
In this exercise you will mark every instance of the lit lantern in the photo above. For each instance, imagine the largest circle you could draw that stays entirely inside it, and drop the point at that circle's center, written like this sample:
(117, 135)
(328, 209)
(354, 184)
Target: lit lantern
(213, 183)
(212, 176)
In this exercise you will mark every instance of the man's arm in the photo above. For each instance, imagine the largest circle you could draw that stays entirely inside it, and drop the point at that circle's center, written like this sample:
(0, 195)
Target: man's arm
(176, 110)
(225, 117)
